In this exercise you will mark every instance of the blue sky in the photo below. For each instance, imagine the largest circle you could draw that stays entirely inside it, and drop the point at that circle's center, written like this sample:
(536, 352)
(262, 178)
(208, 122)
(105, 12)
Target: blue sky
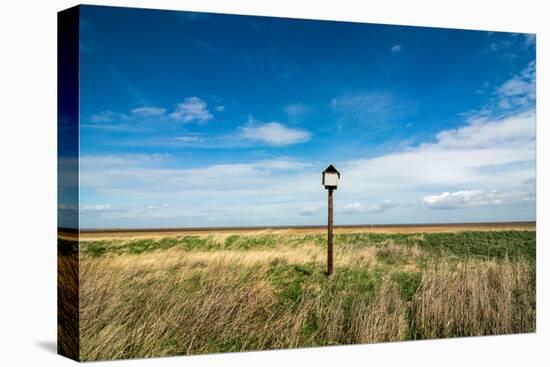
(192, 119)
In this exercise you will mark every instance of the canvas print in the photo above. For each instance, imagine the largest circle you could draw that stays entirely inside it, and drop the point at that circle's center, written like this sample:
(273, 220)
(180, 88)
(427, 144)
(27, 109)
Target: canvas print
(235, 183)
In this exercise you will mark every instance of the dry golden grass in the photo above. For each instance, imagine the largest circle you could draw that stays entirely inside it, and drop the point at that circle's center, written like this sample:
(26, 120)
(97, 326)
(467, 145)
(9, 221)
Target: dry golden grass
(176, 301)
(383, 319)
(139, 309)
(473, 298)
(67, 300)
(171, 258)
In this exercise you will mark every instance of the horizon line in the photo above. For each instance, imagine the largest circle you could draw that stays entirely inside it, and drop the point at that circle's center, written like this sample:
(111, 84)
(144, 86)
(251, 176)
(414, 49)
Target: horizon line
(315, 226)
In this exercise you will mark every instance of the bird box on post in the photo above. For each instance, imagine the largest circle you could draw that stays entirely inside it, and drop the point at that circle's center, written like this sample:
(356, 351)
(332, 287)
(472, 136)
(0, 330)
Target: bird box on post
(331, 177)
(330, 181)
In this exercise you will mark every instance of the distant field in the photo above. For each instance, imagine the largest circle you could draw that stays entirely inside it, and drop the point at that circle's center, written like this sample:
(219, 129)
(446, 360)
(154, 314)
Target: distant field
(394, 228)
(220, 291)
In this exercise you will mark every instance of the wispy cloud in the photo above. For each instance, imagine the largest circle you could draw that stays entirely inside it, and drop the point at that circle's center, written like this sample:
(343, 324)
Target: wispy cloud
(274, 133)
(396, 49)
(107, 116)
(509, 45)
(371, 111)
(96, 207)
(189, 139)
(252, 133)
(463, 199)
(357, 207)
(385, 205)
(192, 109)
(205, 46)
(363, 103)
(200, 194)
(519, 90)
(515, 95)
(353, 208)
(128, 86)
(149, 111)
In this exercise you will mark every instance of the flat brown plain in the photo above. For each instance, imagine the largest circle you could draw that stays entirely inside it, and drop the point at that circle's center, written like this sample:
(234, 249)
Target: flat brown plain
(429, 228)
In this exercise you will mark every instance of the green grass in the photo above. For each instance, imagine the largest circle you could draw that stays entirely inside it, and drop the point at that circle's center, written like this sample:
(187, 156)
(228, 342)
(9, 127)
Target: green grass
(409, 283)
(459, 245)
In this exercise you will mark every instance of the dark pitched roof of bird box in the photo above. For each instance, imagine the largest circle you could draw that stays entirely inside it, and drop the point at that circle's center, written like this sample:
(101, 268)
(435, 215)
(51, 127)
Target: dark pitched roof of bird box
(332, 169)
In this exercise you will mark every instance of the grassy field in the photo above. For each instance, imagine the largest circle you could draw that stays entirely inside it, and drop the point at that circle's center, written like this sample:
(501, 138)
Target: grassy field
(217, 292)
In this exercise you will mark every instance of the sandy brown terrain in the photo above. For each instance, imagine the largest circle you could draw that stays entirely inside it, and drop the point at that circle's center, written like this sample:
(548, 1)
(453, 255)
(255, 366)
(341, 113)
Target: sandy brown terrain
(174, 232)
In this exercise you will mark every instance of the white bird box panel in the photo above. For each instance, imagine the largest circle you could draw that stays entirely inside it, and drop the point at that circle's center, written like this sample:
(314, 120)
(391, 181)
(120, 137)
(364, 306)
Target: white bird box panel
(331, 179)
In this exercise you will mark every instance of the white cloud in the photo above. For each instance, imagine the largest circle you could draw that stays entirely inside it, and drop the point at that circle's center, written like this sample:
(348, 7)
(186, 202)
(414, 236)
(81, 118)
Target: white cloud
(254, 193)
(520, 90)
(463, 199)
(192, 109)
(220, 108)
(189, 139)
(515, 130)
(148, 111)
(156, 174)
(356, 207)
(515, 87)
(485, 160)
(353, 208)
(396, 49)
(274, 133)
(271, 133)
(379, 208)
(97, 207)
(496, 153)
(107, 116)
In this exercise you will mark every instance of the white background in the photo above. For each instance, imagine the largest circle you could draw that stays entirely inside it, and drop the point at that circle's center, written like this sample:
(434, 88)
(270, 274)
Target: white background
(28, 182)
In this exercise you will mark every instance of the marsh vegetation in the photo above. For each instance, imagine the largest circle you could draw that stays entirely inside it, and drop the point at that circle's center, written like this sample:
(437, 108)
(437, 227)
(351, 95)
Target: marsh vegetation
(234, 292)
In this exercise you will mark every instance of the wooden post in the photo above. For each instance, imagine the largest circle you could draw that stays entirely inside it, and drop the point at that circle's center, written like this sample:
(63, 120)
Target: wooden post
(329, 247)
(330, 181)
